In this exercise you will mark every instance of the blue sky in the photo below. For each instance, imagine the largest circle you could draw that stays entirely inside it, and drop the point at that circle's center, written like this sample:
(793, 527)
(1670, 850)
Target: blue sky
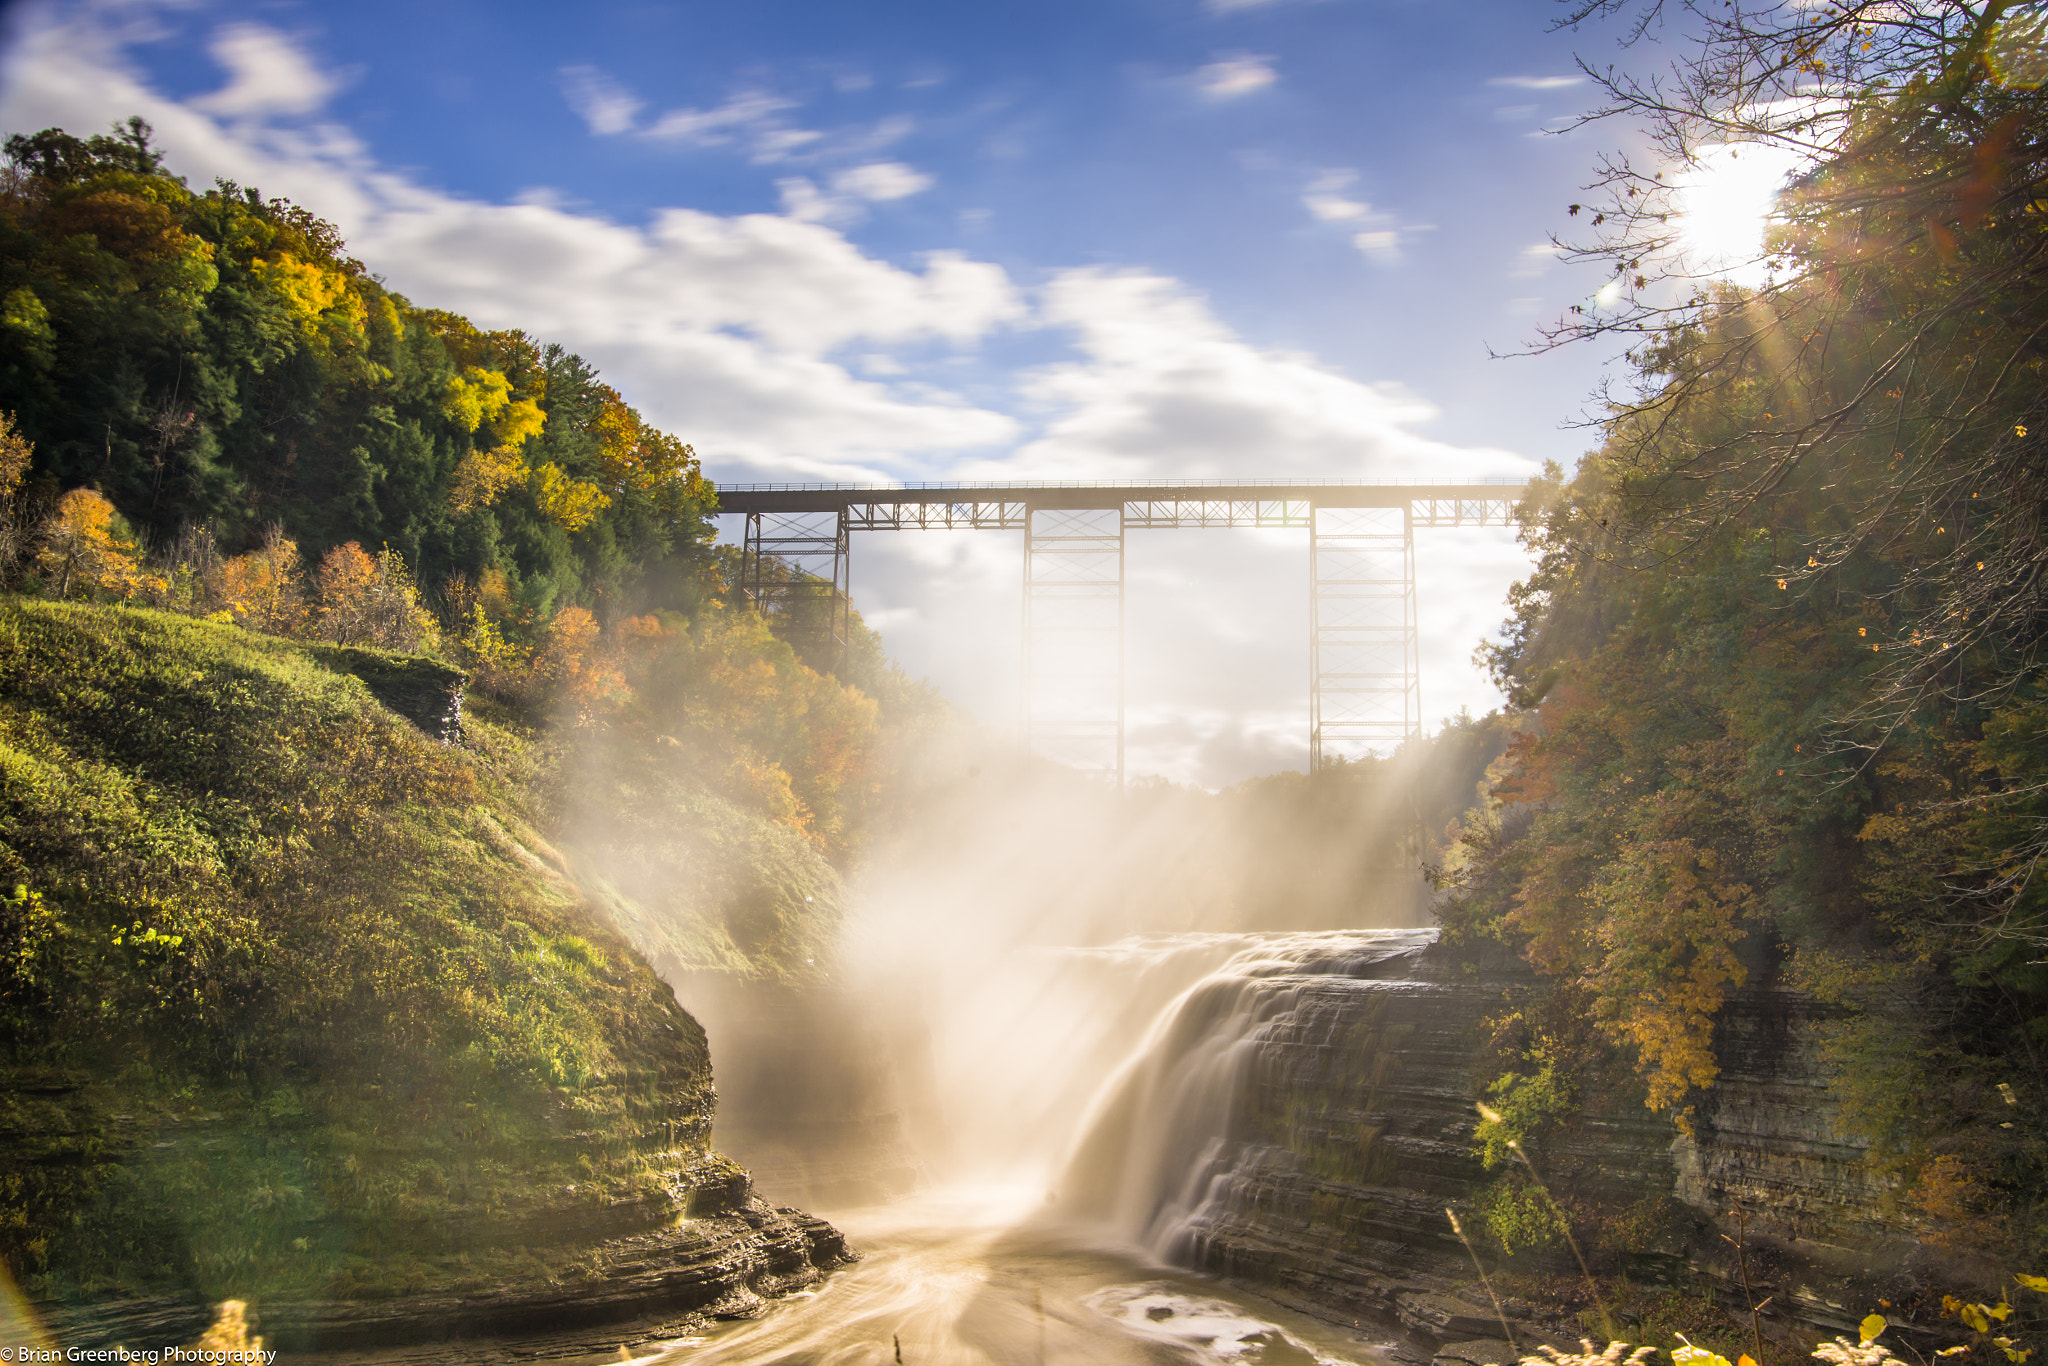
(1119, 238)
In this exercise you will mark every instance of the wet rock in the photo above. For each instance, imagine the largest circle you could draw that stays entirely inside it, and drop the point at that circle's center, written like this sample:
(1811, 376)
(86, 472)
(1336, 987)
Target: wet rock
(647, 1286)
(1478, 1352)
(1353, 1132)
(1442, 1318)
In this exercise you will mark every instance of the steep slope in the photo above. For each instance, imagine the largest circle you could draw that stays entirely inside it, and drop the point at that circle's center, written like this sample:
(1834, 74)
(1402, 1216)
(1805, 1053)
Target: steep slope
(298, 1009)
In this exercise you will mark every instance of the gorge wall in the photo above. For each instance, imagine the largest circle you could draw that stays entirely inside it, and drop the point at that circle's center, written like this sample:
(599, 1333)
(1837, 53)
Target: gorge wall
(1350, 1131)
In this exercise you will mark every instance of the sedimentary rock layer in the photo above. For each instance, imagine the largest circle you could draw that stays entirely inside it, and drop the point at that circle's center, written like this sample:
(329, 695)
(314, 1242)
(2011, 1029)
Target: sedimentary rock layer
(1354, 1134)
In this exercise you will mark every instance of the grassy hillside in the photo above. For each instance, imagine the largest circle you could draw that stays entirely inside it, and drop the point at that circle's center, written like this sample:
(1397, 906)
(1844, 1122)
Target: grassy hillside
(292, 998)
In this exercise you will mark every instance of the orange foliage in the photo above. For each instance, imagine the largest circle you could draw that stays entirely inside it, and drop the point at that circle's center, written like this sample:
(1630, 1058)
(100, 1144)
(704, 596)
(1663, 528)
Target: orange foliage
(84, 552)
(369, 600)
(263, 590)
(575, 665)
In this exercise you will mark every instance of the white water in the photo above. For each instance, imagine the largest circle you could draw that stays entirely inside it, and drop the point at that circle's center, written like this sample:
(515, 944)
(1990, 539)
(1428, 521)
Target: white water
(1160, 1144)
(1082, 1124)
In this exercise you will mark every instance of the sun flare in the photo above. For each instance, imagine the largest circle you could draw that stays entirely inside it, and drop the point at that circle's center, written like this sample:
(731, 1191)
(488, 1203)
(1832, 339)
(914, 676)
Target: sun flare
(1724, 202)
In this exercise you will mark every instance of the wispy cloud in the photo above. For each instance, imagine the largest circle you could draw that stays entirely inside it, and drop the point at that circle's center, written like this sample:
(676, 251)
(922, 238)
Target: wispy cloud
(1335, 208)
(1379, 238)
(753, 120)
(1381, 244)
(1538, 82)
(604, 105)
(751, 111)
(848, 193)
(1324, 200)
(1533, 260)
(268, 74)
(1234, 77)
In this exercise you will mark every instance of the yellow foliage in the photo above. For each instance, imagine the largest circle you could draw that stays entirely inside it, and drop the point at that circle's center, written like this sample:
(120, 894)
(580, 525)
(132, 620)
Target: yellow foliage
(765, 784)
(319, 298)
(484, 475)
(565, 500)
(229, 1333)
(475, 396)
(1669, 923)
(84, 552)
(631, 452)
(15, 454)
(263, 588)
(520, 421)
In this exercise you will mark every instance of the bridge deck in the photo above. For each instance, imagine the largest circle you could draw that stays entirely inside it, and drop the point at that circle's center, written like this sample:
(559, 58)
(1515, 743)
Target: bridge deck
(1330, 493)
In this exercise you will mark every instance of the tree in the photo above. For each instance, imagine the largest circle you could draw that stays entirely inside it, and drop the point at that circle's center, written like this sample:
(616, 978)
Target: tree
(1895, 353)
(87, 552)
(365, 599)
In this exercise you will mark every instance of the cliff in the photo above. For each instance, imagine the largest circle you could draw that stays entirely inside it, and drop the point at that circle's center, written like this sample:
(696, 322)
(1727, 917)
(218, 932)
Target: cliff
(1351, 1134)
(299, 1008)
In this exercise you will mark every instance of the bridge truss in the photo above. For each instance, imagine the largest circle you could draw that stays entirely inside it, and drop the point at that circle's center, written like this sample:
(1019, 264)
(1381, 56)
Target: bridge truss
(1365, 689)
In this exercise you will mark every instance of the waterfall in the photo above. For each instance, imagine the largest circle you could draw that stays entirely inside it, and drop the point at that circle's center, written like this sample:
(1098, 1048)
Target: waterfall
(1166, 1131)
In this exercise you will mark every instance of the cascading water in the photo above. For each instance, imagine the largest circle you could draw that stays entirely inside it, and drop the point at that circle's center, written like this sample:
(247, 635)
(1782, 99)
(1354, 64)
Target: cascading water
(1165, 1135)
(1037, 1047)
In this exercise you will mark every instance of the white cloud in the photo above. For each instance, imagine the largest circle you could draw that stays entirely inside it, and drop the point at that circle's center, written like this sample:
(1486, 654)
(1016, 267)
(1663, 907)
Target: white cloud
(606, 106)
(850, 192)
(1232, 78)
(1381, 244)
(267, 74)
(1332, 208)
(881, 181)
(1533, 260)
(1162, 387)
(1538, 82)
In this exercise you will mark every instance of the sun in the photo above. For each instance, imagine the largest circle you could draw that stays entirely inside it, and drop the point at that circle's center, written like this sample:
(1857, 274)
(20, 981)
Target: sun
(1724, 201)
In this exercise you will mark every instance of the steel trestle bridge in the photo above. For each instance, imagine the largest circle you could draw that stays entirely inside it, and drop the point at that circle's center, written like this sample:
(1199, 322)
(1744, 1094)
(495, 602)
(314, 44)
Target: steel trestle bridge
(1364, 683)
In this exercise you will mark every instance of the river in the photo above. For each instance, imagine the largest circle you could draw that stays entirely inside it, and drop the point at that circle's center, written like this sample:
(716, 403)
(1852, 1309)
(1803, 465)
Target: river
(1094, 1086)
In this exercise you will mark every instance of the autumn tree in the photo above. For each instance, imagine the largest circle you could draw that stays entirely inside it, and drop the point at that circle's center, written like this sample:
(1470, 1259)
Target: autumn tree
(265, 588)
(15, 456)
(86, 551)
(364, 599)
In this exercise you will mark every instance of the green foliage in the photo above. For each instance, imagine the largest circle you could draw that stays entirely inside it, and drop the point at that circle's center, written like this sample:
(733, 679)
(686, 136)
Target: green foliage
(217, 359)
(285, 988)
(1521, 1104)
(1519, 1216)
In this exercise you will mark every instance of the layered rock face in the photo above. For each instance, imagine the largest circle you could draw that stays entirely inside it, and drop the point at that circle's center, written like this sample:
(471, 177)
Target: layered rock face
(643, 1270)
(1351, 1135)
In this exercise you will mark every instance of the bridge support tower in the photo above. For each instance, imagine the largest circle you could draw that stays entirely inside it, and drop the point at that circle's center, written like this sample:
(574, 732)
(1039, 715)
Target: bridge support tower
(796, 571)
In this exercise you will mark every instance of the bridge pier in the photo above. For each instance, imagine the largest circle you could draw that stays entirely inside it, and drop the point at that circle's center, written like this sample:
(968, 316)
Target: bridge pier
(1072, 707)
(1365, 671)
(796, 570)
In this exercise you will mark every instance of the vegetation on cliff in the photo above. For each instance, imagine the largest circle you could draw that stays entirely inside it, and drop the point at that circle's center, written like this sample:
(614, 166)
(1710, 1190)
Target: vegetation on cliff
(1780, 660)
(288, 982)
